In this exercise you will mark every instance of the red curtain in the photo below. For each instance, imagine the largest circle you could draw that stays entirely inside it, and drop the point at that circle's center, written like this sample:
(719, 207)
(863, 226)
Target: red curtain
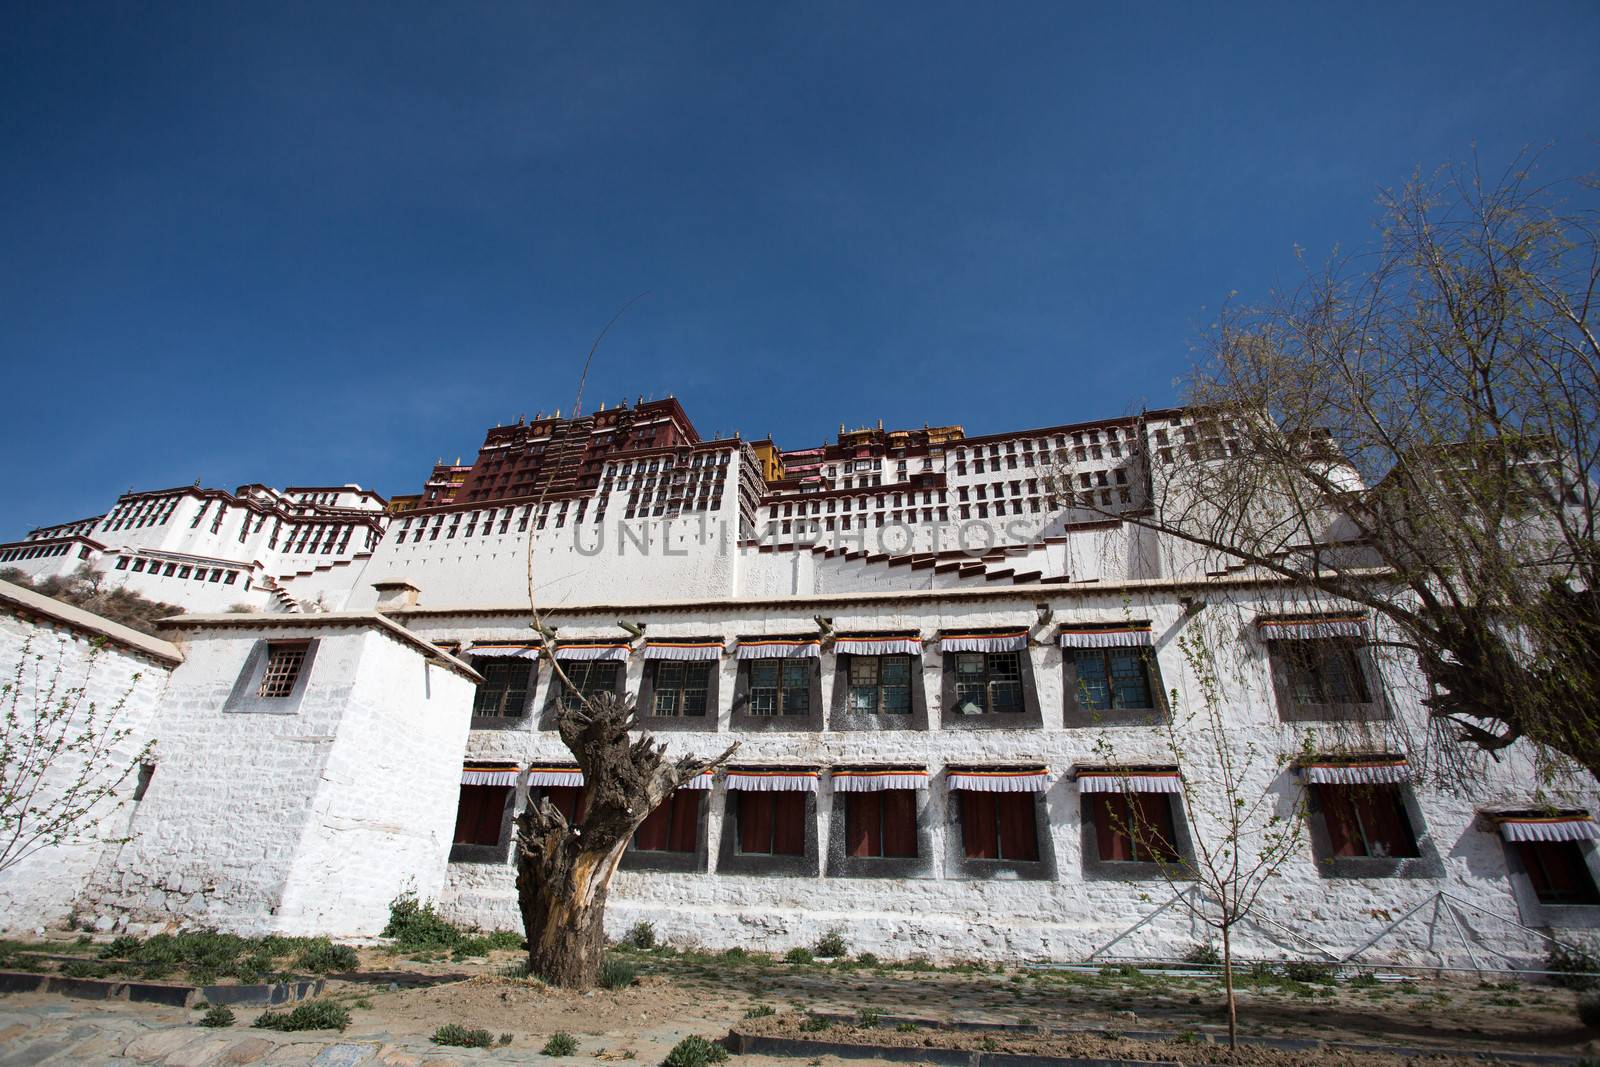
(566, 799)
(1018, 837)
(1558, 872)
(1339, 816)
(863, 814)
(755, 821)
(685, 821)
(789, 819)
(1156, 839)
(1383, 816)
(1133, 827)
(479, 814)
(881, 824)
(899, 822)
(978, 830)
(654, 832)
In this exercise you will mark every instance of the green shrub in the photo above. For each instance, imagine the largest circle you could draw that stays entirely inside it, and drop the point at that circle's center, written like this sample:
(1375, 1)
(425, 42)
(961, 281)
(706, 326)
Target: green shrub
(814, 1022)
(695, 1052)
(906, 1028)
(1572, 968)
(1204, 954)
(641, 935)
(1305, 971)
(217, 1016)
(415, 925)
(1364, 980)
(254, 968)
(734, 953)
(459, 1036)
(84, 969)
(1589, 1009)
(831, 943)
(312, 1015)
(868, 959)
(322, 956)
(617, 973)
(799, 955)
(561, 1043)
(121, 948)
(760, 1011)
(869, 1017)
(505, 1039)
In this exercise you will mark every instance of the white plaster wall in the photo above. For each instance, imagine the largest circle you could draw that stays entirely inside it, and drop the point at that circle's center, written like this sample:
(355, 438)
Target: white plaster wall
(41, 889)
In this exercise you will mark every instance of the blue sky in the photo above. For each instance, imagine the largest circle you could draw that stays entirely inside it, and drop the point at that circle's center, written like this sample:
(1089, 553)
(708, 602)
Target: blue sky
(318, 243)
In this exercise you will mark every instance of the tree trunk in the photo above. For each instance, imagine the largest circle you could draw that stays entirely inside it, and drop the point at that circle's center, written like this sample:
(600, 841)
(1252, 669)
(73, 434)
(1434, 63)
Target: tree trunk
(564, 869)
(1227, 981)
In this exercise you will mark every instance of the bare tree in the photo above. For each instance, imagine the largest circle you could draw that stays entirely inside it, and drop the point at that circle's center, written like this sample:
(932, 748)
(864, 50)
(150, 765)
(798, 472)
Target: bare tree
(62, 754)
(1241, 830)
(1416, 430)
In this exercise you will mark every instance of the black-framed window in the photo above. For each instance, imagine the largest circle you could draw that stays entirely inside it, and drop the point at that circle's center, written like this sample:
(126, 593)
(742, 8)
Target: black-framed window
(999, 826)
(1133, 827)
(770, 823)
(879, 685)
(506, 686)
(480, 814)
(1323, 671)
(988, 683)
(1113, 679)
(1558, 872)
(680, 688)
(881, 823)
(588, 678)
(780, 686)
(1366, 821)
(285, 659)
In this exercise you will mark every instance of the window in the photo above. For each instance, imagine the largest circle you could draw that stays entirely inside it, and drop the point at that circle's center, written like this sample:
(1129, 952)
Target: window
(1559, 872)
(988, 683)
(771, 823)
(880, 685)
(1132, 827)
(780, 687)
(504, 692)
(998, 826)
(672, 827)
(588, 678)
(1112, 678)
(565, 799)
(1323, 671)
(284, 661)
(881, 824)
(1366, 820)
(480, 813)
(680, 688)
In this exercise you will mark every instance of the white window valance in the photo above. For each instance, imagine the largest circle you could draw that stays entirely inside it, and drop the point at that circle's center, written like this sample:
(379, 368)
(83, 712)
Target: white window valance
(1360, 772)
(780, 648)
(1145, 781)
(875, 781)
(1553, 828)
(554, 777)
(1125, 635)
(1310, 628)
(695, 651)
(878, 646)
(1035, 780)
(780, 781)
(1013, 641)
(702, 780)
(613, 651)
(504, 649)
(477, 774)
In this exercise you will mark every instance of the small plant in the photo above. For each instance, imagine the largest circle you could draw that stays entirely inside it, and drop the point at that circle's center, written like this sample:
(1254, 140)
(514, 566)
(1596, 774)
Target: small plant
(120, 948)
(1589, 1009)
(734, 953)
(459, 1036)
(813, 1023)
(321, 956)
(312, 1015)
(1204, 953)
(988, 1044)
(1364, 980)
(799, 955)
(906, 1028)
(641, 935)
(867, 1018)
(868, 959)
(1572, 968)
(415, 925)
(505, 1039)
(832, 943)
(617, 973)
(695, 1052)
(760, 1011)
(84, 969)
(1306, 971)
(561, 1043)
(218, 1016)
(364, 1004)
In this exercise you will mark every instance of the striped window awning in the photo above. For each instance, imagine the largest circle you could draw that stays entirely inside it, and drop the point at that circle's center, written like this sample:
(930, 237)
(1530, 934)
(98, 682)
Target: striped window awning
(615, 651)
(683, 649)
(875, 780)
(504, 649)
(869, 645)
(1310, 627)
(781, 780)
(1129, 780)
(488, 774)
(780, 647)
(1558, 826)
(1007, 641)
(1370, 770)
(554, 777)
(1000, 779)
(1110, 635)
(702, 780)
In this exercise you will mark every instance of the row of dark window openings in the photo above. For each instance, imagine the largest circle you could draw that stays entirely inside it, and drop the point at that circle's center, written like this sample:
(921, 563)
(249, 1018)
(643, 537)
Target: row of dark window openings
(1315, 673)
(41, 552)
(179, 570)
(1361, 821)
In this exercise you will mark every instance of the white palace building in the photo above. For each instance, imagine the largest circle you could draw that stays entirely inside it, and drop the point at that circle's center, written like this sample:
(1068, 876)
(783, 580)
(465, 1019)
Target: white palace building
(949, 664)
